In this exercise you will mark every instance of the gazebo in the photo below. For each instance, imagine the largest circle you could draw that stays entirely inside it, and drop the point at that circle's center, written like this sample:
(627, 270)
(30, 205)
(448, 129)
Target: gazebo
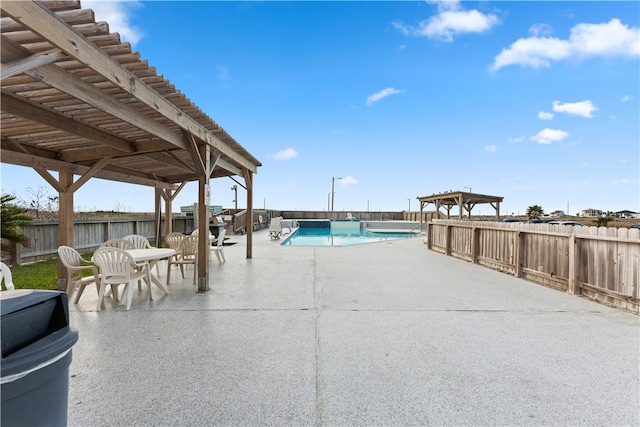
(77, 101)
(463, 200)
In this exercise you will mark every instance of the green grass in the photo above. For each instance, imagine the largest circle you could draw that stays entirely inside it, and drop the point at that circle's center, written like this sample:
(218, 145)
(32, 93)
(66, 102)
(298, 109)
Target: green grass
(39, 275)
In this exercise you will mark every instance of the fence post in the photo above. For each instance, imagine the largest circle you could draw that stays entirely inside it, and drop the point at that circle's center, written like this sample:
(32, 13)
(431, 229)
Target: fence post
(448, 240)
(573, 280)
(475, 243)
(429, 237)
(519, 253)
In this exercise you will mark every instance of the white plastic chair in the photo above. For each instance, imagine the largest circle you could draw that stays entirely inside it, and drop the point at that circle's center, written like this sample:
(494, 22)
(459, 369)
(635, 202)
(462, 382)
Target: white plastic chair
(275, 228)
(75, 266)
(172, 240)
(6, 277)
(141, 242)
(212, 239)
(217, 248)
(117, 267)
(187, 253)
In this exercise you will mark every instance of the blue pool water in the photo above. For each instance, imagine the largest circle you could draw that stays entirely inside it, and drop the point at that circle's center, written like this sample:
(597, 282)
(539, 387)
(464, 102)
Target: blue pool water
(340, 237)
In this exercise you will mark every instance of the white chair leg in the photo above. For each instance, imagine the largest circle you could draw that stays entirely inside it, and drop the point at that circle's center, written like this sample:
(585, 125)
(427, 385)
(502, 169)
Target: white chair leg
(129, 291)
(100, 297)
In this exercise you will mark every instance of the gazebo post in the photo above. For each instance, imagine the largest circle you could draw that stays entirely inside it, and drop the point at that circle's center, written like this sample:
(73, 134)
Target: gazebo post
(65, 221)
(248, 178)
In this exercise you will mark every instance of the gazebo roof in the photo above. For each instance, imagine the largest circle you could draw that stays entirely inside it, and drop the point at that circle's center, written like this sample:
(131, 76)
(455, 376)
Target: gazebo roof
(452, 198)
(461, 199)
(75, 98)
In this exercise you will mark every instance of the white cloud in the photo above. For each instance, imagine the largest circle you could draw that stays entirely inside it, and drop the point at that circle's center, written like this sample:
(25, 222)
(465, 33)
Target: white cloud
(116, 14)
(540, 30)
(624, 181)
(543, 115)
(380, 95)
(450, 21)
(582, 108)
(611, 39)
(223, 72)
(626, 98)
(516, 139)
(490, 148)
(286, 154)
(547, 136)
(347, 180)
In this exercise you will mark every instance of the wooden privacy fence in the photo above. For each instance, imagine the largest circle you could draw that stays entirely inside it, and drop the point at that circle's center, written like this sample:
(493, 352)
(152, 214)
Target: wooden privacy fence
(600, 263)
(87, 235)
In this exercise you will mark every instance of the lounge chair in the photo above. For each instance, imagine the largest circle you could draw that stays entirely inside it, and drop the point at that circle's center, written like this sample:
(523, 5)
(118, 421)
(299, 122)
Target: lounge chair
(275, 228)
(350, 217)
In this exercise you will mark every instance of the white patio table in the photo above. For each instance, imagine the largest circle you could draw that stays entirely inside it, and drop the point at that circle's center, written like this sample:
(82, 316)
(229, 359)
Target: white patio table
(153, 255)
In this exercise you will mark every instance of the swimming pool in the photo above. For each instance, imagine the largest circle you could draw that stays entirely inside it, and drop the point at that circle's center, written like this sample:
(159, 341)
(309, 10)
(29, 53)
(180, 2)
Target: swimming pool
(342, 233)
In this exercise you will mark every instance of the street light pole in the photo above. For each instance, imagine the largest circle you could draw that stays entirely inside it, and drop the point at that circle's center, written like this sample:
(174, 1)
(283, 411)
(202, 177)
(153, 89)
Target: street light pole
(333, 193)
(469, 189)
(409, 205)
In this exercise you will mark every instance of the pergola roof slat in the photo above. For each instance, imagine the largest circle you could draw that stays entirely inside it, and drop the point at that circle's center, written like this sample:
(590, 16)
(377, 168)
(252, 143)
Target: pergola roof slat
(96, 98)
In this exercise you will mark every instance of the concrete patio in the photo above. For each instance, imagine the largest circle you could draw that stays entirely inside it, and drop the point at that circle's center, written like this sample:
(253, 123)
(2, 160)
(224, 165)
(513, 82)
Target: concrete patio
(370, 335)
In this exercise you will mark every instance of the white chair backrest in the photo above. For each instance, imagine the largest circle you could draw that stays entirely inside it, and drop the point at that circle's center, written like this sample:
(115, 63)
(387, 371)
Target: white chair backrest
(118, 243)
(173, 240)
(220, 240)
(6, 277)
(69, 256)
(113, 263)
(275, 224)
(139, 242)
(188, 246)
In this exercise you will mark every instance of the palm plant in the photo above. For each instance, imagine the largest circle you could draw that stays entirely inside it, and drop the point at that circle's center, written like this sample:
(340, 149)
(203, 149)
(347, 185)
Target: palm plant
(535, 211)
(13, 218)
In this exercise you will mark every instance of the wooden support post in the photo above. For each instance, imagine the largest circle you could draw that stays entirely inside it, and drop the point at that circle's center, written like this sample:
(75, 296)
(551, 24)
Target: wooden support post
(574, 281)
(65, 223)
(448, 240)
(429, 231)
(204, 152)
(168, 217)
(203, 241)
(158, 216)
(248, 178)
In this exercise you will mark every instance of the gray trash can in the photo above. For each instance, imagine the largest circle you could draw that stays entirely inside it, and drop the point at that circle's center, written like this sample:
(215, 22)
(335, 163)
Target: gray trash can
(36, 354)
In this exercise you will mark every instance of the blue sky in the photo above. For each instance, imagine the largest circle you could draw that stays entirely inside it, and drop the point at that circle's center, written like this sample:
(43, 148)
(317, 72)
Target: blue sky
(536, 102)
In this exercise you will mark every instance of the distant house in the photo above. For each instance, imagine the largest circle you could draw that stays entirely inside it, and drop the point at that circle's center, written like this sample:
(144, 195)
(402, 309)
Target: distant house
(592, 212)
(627, 214)
(190, 209)
(557, 214)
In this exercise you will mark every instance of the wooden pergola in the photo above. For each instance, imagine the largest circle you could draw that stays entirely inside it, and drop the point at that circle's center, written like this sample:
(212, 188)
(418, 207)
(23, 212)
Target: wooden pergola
(77, 101)
(463, 200)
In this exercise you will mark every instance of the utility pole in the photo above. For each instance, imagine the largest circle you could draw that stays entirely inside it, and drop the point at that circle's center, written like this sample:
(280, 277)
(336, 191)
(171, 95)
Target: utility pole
(333, 192)
(235, 198)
